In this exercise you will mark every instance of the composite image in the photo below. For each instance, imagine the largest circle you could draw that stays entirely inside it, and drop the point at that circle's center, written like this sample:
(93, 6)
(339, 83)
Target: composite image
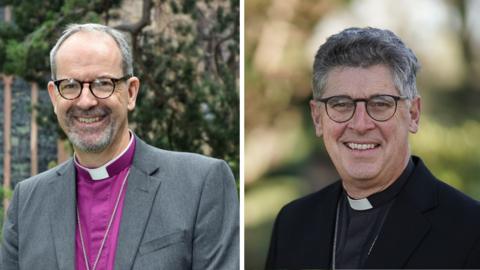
(239, 134)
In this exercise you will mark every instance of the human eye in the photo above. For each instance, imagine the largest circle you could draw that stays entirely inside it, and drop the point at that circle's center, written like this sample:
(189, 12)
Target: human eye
(103, 82)
(68, 85)
(341, 103)
(381, 102)
(102, 85)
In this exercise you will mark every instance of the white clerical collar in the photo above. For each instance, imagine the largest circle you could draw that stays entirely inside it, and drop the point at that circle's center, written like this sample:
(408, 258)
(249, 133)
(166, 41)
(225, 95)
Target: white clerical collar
(360, 204)
(101, 172)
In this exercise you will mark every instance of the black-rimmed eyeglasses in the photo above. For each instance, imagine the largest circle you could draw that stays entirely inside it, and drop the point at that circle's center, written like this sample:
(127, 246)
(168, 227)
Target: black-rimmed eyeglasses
(100, 88)
(379, 107)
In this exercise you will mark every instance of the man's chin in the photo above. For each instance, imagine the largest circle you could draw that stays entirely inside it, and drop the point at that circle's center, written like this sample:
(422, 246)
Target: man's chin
(90, 148)
(89, 145)
(362, 170)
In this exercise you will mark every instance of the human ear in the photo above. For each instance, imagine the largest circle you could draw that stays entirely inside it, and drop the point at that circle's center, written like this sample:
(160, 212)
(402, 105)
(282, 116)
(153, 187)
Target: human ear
(133, 88)
(316, 117)
(415, 111)
(52, 92)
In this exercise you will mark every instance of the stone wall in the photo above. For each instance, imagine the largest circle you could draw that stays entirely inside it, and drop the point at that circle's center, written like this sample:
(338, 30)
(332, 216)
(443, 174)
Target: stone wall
(20, 133)
(47, 137)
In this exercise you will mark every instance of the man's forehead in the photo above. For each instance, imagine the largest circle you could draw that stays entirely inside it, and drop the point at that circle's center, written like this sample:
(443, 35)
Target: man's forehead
(89, 41)
(88, 54)
(345, 79)
(82, 38)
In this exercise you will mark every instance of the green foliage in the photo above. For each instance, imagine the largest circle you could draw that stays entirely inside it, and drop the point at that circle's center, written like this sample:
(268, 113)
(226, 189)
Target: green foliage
(189, 100)
(15, 58)
(26, 42)
(4, 193)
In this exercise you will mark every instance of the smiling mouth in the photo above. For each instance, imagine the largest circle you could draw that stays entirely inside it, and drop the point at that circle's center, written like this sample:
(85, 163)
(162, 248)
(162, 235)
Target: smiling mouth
(89, 120)
(361, 146)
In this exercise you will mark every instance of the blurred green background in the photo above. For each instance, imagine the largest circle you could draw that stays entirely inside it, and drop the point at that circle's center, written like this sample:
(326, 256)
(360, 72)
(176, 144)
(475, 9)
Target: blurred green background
(283, 158)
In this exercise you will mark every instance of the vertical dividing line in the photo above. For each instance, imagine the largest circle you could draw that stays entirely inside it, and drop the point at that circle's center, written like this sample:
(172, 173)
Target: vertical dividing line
(7, 126)
(34, 132)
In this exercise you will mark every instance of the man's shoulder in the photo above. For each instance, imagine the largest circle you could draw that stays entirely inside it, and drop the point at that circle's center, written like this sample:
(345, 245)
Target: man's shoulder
(43, 177)
(184, 173)
(311, 203)
(456, 201)
(449, 200)
(178, 158)
(174, 165)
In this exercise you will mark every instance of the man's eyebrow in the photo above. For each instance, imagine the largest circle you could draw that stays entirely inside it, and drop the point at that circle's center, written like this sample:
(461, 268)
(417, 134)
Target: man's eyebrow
(104, 77)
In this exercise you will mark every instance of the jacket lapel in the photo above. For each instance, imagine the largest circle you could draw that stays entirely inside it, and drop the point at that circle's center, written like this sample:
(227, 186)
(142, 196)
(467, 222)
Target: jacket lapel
(139, 198)
(403, 230)
(326, 221)
(405, 225)
(62, 215)
(311, 247)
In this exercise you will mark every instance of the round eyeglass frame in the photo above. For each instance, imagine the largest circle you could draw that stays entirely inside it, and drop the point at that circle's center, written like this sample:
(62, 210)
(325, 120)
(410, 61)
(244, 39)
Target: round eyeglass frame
(365, 101)
(114, 83)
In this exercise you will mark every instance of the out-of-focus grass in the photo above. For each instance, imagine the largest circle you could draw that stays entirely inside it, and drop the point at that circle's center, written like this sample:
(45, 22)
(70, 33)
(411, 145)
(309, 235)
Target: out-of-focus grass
(262, 203)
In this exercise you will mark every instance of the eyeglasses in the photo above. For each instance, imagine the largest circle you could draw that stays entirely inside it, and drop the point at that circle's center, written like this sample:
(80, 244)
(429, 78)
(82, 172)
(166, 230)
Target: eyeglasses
(100, 88)
(379, 107)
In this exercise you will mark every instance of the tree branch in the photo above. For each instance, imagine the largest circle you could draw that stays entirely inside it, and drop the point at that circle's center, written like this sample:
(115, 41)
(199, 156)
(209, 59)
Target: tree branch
(135, 28)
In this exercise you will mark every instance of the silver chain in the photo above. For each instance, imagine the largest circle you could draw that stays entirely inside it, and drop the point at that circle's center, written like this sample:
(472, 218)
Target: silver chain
(335, 235)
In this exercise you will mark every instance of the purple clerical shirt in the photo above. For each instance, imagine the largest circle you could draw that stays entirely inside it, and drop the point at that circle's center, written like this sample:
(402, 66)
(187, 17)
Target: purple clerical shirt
(97, 193)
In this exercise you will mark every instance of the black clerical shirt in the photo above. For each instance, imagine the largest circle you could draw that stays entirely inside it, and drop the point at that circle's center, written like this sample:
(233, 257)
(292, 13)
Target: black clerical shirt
(357, 228)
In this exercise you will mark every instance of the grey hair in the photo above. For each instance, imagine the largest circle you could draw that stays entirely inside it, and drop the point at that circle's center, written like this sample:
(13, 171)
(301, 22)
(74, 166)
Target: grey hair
(119, 37)
(365, 47)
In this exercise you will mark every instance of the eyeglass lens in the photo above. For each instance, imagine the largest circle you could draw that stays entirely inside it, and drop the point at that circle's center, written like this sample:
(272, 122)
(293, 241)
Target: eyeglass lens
(380, 108)
(101, 88)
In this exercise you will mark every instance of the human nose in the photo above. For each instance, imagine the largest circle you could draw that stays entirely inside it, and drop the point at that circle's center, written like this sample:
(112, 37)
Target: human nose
(86, 99)
(361, 121)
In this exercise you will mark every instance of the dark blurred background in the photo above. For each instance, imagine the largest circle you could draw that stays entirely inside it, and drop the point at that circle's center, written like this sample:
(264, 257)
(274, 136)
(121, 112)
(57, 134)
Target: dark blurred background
(283, 158)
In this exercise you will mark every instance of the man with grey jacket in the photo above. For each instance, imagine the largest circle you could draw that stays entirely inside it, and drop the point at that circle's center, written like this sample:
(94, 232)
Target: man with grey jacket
(118, 203)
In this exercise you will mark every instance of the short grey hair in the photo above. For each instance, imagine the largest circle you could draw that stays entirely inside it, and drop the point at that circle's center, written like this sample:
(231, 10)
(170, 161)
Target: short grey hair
(119, 37)
(365, 47)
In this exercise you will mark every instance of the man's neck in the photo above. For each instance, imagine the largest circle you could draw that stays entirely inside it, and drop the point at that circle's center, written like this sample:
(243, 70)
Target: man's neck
(363, 188)
(95, 160)
(360, 191)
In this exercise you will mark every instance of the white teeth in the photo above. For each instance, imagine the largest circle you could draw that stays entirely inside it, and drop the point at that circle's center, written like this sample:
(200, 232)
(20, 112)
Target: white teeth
(358, 146)
(88, 120)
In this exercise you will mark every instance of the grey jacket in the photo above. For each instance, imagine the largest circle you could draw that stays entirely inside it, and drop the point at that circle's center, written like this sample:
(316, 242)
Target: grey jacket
(180, 212)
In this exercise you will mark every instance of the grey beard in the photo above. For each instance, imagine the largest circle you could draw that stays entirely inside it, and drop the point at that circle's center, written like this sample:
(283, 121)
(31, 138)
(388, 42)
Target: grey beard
(79, 142)
(94, 147)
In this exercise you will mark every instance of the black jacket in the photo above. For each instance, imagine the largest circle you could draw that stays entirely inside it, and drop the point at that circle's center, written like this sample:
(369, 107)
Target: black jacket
(430, 225)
